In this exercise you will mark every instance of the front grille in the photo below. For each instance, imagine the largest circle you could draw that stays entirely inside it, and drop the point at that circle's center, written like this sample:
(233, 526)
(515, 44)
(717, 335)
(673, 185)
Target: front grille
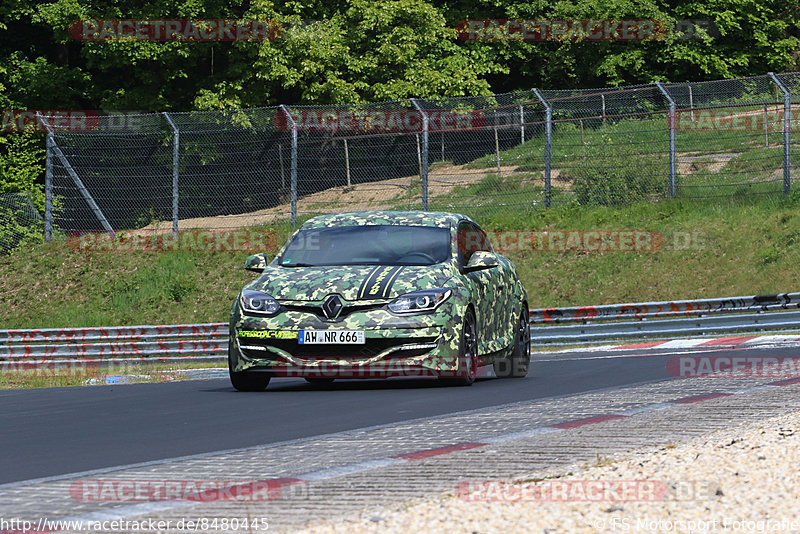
(370, 349)
(316, 309)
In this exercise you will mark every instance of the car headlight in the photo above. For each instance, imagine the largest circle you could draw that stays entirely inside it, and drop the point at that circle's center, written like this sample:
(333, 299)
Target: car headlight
(258, 303)
(419, 301)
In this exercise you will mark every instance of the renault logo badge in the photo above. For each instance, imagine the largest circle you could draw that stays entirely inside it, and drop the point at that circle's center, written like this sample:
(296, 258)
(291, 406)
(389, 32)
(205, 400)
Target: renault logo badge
(332, 306)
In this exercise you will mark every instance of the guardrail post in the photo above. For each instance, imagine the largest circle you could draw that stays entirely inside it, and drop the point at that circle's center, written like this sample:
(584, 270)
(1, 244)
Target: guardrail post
(48, 190)
(176, 143)
(77, 180)
(424, 155)
(671, 123)
(787, 128)
(293, 167)
(548, 137)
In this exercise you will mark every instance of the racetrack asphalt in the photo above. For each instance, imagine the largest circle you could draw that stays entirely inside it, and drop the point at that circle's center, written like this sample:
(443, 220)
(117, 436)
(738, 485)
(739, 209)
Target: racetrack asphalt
(48, 432)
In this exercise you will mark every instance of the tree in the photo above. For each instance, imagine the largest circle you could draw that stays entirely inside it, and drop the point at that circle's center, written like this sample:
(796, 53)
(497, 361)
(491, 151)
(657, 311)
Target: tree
(371, 51)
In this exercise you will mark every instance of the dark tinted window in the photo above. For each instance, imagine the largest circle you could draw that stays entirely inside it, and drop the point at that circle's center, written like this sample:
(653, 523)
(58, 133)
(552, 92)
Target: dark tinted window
(368, 245)
(471, 239)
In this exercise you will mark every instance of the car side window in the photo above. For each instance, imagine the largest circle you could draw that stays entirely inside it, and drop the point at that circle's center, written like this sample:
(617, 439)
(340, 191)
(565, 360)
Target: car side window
(483, 240)
(470, 239)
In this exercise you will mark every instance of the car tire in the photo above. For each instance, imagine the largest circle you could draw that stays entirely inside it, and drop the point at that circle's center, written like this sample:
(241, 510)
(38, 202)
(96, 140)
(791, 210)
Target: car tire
(517, 363)
(467, 354)
(243, 381)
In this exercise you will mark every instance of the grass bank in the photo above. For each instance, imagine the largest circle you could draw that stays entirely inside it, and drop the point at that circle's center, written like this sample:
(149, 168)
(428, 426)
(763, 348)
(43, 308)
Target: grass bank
(714, 248)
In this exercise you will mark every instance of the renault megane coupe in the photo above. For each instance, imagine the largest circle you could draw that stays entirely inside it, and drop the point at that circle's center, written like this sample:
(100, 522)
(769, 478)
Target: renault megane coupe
(377, 295)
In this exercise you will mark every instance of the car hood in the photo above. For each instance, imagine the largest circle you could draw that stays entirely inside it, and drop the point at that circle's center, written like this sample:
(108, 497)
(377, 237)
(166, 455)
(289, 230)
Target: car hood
(352, 282)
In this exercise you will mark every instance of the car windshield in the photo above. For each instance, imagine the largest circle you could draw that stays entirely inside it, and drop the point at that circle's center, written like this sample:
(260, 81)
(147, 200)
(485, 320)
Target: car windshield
(368, 245)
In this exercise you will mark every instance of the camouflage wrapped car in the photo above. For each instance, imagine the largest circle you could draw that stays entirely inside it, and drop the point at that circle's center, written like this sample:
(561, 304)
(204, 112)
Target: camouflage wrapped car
(380, 294)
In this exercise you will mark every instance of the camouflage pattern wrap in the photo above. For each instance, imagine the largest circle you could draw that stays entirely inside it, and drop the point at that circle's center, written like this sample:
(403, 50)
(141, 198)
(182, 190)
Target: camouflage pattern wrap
(413, 344)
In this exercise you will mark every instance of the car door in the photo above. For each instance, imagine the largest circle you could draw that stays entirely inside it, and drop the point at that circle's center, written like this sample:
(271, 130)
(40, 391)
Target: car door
(486, 287)
(502, 295)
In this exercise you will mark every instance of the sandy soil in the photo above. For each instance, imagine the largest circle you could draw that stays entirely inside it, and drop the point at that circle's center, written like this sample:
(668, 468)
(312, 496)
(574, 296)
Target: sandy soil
(385, 194)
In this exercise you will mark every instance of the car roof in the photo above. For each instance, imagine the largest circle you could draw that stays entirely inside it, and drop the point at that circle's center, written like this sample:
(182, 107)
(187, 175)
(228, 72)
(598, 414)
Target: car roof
(400, 218)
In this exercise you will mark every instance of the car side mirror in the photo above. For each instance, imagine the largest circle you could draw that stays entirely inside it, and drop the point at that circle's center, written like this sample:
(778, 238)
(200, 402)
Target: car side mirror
(256, 263)
(481, 260)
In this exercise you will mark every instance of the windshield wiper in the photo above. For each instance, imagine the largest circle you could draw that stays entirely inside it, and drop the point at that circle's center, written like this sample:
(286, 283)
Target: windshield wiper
(299, 265)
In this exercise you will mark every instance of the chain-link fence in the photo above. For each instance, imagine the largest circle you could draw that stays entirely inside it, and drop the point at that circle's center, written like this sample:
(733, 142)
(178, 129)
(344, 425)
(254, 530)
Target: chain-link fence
(20, 222)
(515, 151)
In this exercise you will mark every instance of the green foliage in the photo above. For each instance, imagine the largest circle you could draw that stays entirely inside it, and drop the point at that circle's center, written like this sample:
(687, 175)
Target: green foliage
(370, 51)
(742, 38)
(361, 51)
(614, 186)
(21, 165)
(20, 224)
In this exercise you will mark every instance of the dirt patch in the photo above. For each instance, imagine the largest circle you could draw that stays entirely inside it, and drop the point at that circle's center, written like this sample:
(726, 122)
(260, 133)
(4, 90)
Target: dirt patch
(687, 164)
(443, 179)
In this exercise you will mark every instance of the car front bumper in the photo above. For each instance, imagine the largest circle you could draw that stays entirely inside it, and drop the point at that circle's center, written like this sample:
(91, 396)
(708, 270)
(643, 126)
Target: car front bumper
(415, 345)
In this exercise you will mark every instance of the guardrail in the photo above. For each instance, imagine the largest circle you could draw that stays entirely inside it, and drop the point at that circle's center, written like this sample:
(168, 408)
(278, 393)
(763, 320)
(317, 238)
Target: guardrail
(652, 320)
(572, 325)
(115, 343)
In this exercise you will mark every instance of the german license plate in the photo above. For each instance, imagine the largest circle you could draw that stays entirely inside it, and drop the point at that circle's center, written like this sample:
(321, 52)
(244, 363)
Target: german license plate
(331, 337)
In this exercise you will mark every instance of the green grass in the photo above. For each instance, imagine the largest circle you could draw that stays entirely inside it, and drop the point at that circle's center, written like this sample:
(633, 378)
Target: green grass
(712, 248)
(755, 171)
(75, 375)
(58, 285)
(637, 138)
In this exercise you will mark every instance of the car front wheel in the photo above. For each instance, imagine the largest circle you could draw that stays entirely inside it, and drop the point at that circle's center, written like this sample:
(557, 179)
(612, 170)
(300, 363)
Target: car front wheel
(247, 381)
(467, 355)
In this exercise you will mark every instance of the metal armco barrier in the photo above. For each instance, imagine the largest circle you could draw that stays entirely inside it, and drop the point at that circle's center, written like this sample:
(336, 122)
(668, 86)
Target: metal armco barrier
(115, 342)
(588, 324)
(573, 325)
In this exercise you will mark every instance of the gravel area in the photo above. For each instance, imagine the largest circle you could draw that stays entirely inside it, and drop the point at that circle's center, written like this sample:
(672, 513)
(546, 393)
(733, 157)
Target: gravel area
(742, 479)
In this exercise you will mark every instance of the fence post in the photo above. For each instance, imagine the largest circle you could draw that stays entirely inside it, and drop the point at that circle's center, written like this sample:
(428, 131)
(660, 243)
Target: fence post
(77, 180)
(521, 126)
(548, 134)
(293, 167)
(347, 161)
(424, 155)
(497, 150)
(671, 123)
(603, 105)
(787, 128)
(48, 189)
(766, 127)
(176, 143)
(280, 158)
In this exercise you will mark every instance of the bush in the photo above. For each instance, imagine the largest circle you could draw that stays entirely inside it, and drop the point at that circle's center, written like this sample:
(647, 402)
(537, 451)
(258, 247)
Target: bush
(20, 223)
(613, 186)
